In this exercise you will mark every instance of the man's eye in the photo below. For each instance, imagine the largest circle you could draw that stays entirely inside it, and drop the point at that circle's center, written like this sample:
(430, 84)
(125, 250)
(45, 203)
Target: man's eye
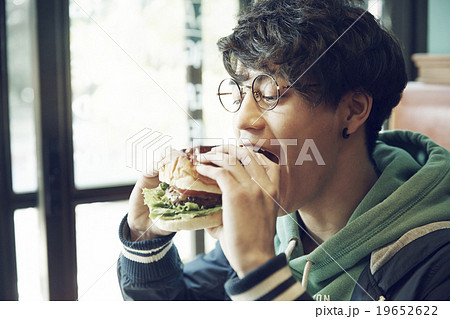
(269, 98)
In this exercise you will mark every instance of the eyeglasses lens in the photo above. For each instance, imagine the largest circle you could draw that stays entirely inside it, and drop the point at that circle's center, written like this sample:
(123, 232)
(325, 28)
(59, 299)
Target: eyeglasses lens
(265, 91)
(230, 95)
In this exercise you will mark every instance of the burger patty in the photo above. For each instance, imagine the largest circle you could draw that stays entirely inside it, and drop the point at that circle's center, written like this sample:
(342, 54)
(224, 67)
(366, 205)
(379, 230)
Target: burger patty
(208, 200)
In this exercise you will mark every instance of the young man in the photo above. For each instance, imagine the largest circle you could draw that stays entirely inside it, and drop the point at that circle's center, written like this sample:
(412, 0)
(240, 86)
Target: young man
(351, 217)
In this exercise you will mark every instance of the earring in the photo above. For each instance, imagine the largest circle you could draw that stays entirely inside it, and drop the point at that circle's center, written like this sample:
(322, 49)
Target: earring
(344, 133)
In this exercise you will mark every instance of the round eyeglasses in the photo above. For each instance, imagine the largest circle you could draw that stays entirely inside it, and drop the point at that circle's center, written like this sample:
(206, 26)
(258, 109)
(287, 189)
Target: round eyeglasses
(265, 92)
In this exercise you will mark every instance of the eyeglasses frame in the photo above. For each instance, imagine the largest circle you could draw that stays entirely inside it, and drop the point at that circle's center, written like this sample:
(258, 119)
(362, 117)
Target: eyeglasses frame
(253, 93)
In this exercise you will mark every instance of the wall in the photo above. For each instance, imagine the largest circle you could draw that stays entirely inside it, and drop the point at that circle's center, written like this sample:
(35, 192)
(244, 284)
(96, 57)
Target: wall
(438, 26)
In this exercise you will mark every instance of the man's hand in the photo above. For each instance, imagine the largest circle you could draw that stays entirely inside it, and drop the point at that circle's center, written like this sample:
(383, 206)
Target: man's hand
(249, 192)
(141, 226)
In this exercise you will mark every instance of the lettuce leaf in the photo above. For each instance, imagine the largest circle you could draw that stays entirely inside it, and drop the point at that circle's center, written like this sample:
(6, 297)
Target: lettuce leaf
(161, 207)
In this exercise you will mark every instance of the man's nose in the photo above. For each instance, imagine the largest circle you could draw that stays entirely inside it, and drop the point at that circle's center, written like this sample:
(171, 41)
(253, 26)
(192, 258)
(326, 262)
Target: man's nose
(250, 115)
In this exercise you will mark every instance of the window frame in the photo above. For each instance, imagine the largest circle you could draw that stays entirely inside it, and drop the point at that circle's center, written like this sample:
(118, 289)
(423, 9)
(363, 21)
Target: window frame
(57, 196)
(408, 20)
(8, 272)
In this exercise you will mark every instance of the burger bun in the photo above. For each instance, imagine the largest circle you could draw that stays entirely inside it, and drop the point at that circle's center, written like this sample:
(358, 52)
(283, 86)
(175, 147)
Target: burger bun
(201, 222)
(182, 174)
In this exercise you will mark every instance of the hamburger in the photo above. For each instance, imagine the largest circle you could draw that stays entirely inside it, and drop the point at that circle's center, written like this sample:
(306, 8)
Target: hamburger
(184, 199)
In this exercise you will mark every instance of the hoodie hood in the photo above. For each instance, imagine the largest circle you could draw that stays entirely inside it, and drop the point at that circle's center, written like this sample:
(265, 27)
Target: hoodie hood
(413, 189)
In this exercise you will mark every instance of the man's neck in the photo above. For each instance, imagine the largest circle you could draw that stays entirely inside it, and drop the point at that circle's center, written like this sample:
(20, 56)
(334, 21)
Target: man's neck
(330, 212)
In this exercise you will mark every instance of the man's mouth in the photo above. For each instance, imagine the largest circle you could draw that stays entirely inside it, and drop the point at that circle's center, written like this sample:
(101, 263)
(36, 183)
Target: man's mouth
(271, 156)
(268, 154)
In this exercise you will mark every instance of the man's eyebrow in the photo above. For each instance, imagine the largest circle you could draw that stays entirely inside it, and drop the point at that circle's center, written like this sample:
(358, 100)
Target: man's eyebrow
(241, 81)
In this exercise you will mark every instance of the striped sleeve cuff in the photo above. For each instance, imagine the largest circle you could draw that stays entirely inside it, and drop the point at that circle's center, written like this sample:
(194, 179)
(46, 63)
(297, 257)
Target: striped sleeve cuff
(147, 260)
(271, 281)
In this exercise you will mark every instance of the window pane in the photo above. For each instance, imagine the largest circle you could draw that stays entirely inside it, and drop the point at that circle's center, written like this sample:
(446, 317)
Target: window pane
(219, 19)
(376, 7)
(98, 247)
(128, 74)
(21, 94)
(27, 238)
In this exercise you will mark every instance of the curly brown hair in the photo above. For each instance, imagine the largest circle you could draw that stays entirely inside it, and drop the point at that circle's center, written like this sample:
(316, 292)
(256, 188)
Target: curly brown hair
(333, 43)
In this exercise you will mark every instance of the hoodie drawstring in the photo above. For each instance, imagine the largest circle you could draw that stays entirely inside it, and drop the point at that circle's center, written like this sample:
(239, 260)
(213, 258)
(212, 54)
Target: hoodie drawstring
(290, 247)
(309, 263)
(306, 273)
(288, 252)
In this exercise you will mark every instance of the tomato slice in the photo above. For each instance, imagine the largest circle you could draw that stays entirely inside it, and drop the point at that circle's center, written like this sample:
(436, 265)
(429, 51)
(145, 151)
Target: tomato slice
(192, 193)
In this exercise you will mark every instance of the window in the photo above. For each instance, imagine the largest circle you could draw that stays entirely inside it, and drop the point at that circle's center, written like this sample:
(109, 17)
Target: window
(21, 95)
(27, 251)
(85, 76)
(126, 76)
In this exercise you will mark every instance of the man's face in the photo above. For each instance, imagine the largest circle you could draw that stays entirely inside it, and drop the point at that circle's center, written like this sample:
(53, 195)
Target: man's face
(305, 139)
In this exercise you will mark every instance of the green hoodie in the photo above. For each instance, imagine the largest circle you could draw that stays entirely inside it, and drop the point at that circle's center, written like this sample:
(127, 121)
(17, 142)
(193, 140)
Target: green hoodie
(413, 189)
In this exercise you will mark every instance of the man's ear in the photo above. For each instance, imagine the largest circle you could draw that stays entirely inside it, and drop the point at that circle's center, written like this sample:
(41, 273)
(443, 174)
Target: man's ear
(355, 108)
